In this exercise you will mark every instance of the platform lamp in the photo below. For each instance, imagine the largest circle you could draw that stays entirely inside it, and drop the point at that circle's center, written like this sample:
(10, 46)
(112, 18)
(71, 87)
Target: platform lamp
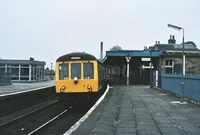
(51, 72)
(183, 59)
(151, 80)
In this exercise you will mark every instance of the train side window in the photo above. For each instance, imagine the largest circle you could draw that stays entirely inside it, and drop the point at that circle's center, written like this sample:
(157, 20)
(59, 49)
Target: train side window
(75, 70)
(88, 70)
(64, 71)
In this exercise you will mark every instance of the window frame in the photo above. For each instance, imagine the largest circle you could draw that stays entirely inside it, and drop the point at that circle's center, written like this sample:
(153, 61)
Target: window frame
(169, 63)
(59, 72)
(84, 70)
(71, 74)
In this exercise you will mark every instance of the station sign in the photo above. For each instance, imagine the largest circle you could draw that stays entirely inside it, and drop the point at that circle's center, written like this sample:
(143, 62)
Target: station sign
(145, 59)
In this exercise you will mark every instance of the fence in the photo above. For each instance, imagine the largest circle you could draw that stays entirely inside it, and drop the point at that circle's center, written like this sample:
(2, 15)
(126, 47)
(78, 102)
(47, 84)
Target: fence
(172, 83)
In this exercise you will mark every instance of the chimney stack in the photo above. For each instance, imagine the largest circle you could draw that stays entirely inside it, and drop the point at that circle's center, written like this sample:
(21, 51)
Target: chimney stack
(101, 51)
(31, 59)
(172, 40)
(157, 42)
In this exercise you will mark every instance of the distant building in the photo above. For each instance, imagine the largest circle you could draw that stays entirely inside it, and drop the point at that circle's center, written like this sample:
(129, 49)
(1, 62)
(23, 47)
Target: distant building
(23, 70)
(49, 73)
(171, 58)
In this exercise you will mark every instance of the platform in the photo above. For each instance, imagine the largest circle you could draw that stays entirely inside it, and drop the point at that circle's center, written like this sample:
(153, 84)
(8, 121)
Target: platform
(139, 110)
(17, 88)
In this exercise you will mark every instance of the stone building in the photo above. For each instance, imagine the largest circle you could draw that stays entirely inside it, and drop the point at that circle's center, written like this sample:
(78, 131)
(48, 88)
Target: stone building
(171, 59)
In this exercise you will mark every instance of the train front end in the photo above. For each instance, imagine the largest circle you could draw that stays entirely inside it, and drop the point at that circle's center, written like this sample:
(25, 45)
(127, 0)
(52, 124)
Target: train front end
(76, 77)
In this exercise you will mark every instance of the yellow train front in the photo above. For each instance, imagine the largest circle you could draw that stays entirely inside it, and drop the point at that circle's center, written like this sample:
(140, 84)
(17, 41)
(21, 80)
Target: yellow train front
(79, 73)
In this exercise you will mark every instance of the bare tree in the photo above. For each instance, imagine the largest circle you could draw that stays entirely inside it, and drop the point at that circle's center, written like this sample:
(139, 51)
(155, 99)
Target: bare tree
(191, 42)
(116, 48)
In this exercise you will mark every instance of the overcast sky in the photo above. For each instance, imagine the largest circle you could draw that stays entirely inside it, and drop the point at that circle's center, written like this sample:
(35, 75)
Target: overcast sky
(46, 29)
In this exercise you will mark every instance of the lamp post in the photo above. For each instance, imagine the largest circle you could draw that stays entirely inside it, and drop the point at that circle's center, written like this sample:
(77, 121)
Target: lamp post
(51, 72)
(151, 86)
(183, 59)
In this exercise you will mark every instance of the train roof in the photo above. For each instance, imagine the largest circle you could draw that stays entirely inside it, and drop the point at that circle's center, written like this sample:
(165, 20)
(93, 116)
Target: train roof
(76, 56)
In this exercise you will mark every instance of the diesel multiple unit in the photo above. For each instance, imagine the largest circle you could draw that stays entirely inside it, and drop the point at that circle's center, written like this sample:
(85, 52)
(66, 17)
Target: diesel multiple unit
(79, 72)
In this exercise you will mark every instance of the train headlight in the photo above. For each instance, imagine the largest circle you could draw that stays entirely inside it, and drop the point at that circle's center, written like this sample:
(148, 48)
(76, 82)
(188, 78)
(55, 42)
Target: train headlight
(89, 88)
(63, 88)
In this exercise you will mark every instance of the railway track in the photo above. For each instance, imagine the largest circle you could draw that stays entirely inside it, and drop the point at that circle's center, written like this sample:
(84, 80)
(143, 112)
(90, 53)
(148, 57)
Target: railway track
(62, 122)
(50, 117)
(13, 103)
(48, 122)
(11, 117)
(47, 116)
(25, 123)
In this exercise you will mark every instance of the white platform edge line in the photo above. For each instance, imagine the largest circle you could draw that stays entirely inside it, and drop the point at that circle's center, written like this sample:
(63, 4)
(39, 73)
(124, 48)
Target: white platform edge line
(24, 91)
(81, 120)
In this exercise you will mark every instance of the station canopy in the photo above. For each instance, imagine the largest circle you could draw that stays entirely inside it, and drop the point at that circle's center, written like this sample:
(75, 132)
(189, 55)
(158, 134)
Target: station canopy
(118, 57)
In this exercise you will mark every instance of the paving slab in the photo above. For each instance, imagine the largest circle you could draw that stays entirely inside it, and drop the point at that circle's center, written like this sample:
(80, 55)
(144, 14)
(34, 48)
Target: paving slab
(140, 110)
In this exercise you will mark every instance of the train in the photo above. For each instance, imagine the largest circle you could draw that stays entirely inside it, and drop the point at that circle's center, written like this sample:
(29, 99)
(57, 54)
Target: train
(79, 73)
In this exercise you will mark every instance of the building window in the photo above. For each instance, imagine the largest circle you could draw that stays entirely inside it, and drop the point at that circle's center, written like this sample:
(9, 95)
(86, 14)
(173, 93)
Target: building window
(2, 70)
(2, 66)
(15, 71)
(24, 72)
(168, 70)
(33, 70)
(169, 63)
(169, 66)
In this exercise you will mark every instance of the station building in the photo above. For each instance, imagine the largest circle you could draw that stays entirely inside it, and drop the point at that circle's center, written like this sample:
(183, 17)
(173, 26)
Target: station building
(172, 56)
(23, 70)
(139, 66)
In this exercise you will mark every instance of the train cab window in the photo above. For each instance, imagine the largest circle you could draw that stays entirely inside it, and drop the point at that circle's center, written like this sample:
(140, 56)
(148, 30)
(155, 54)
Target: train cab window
(88, 70)
(63, 71)
(76, 70)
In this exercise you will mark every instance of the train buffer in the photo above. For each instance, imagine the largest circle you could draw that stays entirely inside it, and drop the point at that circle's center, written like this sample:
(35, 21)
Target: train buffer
(17, 88)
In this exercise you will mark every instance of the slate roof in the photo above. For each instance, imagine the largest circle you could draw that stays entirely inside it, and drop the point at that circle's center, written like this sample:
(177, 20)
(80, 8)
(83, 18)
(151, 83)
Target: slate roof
(165, 47)
(25, 62)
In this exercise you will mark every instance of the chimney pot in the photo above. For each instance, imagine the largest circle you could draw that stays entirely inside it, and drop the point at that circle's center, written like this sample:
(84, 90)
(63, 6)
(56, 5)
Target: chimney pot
(101, 51)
